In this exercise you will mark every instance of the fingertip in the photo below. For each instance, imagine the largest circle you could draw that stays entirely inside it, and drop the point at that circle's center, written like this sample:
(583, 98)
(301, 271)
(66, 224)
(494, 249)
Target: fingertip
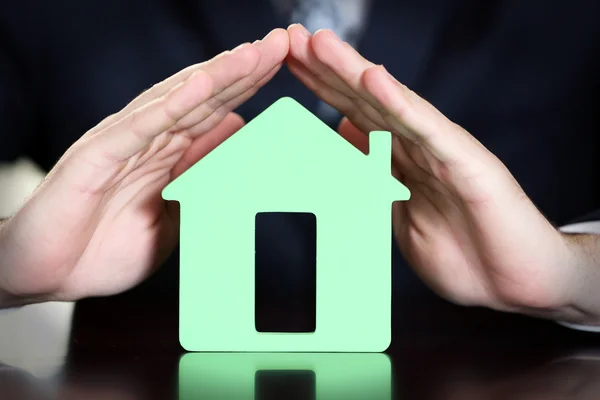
(322, 31)
(322, 44)
(324, 34)
(343, 123)
(249, 58)
(277, 37)
(298, 29)
(378, 70)
(235, 120)
(279, 31)
(376, 78)
(299, 38)
(276, 43)
(352, 134)
(185, 96)
(238, 48)
(275, 32)
(369, 75)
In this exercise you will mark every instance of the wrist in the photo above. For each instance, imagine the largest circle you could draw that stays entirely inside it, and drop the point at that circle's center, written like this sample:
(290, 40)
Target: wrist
(569, 291)
(8, 298)
(582, 266)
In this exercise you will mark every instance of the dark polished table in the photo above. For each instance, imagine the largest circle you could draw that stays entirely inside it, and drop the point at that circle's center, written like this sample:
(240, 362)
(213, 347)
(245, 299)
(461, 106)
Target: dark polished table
(127, 348)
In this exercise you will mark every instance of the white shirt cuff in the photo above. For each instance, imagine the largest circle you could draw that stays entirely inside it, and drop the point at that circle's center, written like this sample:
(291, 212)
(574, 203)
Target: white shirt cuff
(585, 328)
(592, 227)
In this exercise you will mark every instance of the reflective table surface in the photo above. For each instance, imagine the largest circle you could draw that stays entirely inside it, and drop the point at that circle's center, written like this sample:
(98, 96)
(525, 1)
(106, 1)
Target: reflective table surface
(123, 348)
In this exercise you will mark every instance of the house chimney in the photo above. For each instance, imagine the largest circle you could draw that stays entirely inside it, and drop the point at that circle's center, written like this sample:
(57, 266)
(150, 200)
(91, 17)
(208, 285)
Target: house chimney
(380, 149)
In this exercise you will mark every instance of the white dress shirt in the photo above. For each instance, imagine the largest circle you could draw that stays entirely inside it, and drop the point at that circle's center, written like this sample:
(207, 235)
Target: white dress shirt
(582, 227)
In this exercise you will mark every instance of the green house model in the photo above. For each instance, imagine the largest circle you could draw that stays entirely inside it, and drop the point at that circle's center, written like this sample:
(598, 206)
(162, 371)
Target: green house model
(287, 160)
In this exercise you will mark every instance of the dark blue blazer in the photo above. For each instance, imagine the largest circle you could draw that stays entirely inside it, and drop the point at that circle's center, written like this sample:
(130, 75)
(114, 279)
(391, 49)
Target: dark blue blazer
(521, 76)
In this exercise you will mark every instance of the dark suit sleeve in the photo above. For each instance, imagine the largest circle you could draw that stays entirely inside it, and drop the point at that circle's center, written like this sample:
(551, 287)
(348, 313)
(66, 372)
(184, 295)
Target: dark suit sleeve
(17, 111)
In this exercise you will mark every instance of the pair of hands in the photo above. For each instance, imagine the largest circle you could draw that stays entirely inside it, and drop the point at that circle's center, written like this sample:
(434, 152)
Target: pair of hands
(98, 226)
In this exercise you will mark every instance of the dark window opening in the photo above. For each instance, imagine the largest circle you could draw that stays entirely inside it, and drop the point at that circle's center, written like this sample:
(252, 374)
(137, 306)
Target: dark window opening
(285, 272)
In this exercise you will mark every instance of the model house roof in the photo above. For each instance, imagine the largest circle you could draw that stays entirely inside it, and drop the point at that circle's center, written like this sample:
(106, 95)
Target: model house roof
(288, 145)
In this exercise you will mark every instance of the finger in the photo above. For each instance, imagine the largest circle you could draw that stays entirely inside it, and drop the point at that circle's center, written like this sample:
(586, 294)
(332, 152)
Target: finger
(332, 97)
(157, 90)
(351, 64)
(134, 132)
(302, 51)
(353, 135)
(406, 112)
(344, 62)
(277, 37)
(207, 143)
(416, 119)
(232, 104)
(400, 160)
(355, 131)
(273, 50)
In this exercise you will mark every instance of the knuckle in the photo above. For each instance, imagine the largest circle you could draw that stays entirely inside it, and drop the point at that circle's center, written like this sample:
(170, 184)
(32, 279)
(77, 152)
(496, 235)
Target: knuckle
(215, 102)
(136, 124)
(352, 112)
(402, 109)
(250, 61)
(169, 109)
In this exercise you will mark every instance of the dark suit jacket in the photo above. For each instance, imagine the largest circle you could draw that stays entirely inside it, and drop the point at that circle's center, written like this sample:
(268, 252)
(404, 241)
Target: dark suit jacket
(521, 76)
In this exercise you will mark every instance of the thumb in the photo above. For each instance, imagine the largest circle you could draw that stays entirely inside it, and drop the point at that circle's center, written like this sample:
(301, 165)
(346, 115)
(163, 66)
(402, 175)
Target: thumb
(352, 134)
(206, 143)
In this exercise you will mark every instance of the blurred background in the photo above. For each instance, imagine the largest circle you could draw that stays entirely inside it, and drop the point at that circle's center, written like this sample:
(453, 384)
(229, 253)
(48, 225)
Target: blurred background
(40, 329)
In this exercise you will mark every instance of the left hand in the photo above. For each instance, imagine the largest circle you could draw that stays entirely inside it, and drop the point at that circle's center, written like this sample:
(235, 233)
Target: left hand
(97, 225)
(468, 230)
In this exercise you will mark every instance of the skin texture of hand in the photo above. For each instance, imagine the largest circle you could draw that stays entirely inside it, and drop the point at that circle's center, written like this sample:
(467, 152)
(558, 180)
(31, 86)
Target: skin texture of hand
(97, 225)
(468, 230)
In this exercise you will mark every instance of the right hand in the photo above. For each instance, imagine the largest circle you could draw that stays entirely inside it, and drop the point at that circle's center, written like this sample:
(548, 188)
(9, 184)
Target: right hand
(468, 230)
(97, 225)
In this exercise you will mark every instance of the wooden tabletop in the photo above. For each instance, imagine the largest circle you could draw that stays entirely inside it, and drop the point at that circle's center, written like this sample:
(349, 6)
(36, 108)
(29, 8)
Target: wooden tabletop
(126, 347)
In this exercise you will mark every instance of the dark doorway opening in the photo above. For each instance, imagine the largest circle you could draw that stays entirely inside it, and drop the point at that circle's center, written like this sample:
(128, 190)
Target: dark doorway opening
(285, 272)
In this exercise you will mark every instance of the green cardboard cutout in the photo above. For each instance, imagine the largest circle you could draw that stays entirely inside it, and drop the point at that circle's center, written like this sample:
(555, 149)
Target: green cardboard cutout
(245, 376)
(287, 160)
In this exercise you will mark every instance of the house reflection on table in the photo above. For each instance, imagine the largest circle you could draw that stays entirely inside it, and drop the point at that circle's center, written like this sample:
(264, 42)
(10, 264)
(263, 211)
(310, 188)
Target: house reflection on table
(266, 376)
